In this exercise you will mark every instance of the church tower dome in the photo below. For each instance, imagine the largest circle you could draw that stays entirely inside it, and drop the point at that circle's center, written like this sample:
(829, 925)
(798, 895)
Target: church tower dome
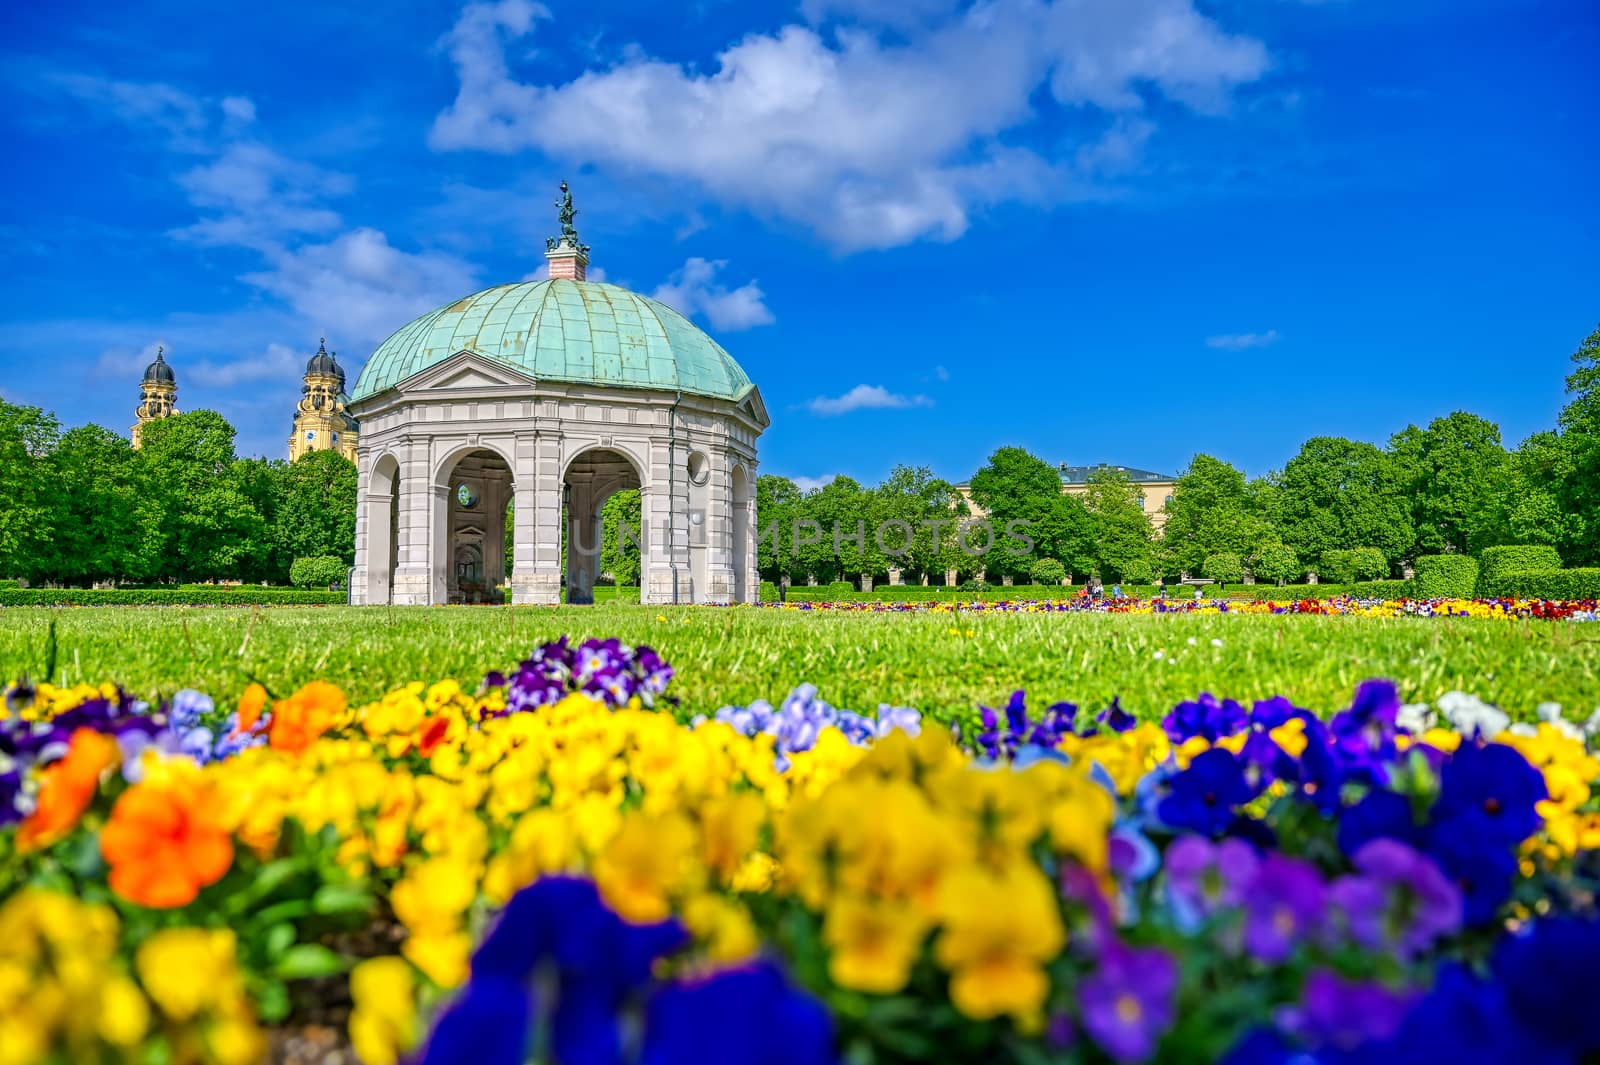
(322, 420)
(158, 396)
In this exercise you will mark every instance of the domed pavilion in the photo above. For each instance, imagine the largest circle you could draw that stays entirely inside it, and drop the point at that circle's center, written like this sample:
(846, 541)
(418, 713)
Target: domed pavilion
(535, 402)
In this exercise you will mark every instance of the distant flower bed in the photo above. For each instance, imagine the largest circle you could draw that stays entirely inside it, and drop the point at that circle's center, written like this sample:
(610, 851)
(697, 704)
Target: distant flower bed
(1507, 609)
(550, 868)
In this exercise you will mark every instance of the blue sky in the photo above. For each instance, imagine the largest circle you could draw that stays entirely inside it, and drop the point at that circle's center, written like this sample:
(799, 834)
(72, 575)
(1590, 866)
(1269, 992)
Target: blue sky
(1107, 230)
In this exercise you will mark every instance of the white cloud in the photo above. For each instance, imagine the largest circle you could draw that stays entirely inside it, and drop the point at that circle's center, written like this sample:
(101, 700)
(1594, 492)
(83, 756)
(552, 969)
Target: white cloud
(865, 397)
(258, 197)
(1242, 341)
(811, 484)
(872, 143)
(240, 109)
(126, 364)
(276, 365)
(182, 116)
(941, 373)
(694, 290)
(361, 288)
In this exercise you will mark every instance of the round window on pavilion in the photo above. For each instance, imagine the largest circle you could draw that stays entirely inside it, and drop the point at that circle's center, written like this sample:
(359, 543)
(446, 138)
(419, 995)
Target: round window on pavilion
(467, 496)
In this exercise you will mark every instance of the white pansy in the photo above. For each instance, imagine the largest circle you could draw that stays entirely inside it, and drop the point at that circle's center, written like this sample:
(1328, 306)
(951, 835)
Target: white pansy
(1469, 714)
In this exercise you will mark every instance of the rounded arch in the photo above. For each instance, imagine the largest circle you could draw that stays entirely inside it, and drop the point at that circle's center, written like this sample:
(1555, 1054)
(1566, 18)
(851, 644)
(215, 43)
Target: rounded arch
(637, 462)
(590, 476)
(381, 532)
(472, 488)
(440, 475)
(742, 489)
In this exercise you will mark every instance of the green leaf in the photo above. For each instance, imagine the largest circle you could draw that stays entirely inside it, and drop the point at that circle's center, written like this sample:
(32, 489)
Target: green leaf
(279, 938)
(304, 961)
(341, 898)
(291, 910)
(272, 1001)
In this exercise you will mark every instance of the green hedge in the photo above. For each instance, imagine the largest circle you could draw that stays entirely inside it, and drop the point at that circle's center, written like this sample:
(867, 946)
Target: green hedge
(1547, 584)
(1382, 590)
(318, 571)
(1352, 565)
(1496, 563)
(215, 596)
(1445, 577)
(1272, 592)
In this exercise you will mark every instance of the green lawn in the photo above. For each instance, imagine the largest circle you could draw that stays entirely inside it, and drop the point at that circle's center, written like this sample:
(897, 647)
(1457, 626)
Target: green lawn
(857, 660)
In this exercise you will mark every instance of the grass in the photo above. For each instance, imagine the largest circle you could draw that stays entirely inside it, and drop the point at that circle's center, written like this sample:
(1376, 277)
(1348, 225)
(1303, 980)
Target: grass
(938, 663)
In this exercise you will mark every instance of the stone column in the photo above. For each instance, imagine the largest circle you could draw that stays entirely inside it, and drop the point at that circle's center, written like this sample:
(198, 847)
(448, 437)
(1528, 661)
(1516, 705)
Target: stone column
(536, 550)
(411, 578)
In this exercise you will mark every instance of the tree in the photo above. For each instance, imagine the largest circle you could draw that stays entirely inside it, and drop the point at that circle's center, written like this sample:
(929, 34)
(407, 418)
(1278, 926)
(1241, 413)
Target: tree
(619, 553)
(1275, 563)
(841, 509)
(1047, 571)
(1022, 492)
(1530, 509)
(1212, 511)
(1123, 535)
(777, 506)
(1223, 567)
(313, 509)
(213, 526)
(1579, 492)
(906, 507)
(1337, 493)
(1452, 472)
(104, 520)
(28, 435)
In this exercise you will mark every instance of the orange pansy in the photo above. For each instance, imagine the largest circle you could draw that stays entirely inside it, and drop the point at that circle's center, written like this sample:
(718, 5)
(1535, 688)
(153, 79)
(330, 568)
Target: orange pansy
(69, 787)
(298, 720)
(165, 841)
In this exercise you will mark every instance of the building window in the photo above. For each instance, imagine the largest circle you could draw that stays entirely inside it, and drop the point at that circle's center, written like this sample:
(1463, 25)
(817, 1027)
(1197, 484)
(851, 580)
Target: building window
(1169, 499)
(335, 438)
(1141, 502)
(311, 434)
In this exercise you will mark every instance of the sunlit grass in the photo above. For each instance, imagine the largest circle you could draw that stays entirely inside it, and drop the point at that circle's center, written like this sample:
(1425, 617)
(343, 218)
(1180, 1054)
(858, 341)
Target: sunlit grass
(941, 663)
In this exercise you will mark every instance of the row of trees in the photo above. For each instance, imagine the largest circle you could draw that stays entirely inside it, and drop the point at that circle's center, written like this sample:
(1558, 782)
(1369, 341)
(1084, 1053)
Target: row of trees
(83, 506)
(1346, 509)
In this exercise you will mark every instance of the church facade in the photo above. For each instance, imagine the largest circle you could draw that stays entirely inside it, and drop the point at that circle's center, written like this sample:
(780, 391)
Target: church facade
(158, 396)
(526, 406)
(322, 419)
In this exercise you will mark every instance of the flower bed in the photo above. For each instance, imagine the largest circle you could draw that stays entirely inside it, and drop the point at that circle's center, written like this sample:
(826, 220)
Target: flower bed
(550, 868)
(1503, 609)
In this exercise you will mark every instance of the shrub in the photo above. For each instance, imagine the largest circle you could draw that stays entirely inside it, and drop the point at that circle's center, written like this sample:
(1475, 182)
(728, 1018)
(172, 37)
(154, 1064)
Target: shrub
(768, 592)
(975, 584)
(211, 596)
(1381, 590)
(1348, 565)
(1047, 571)
(1139, 571)
(1548, 584)
(1445, 577)
(318, 571)
(1223, 568)
(1275, 563)
(1276, 592)
(1497, 562)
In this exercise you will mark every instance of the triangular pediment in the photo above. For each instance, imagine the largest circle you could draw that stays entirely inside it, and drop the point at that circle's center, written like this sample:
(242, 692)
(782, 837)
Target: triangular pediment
(753, 405)
(466, 371)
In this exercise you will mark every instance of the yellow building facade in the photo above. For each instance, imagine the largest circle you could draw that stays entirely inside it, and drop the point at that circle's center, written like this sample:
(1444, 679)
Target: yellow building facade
(1155, 489)
(322, 420)
(158, 396)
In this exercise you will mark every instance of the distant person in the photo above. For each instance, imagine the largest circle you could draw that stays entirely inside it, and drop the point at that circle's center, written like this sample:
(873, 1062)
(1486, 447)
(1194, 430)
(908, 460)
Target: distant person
(1116, 591)
(1197, 593)
(1160, 587)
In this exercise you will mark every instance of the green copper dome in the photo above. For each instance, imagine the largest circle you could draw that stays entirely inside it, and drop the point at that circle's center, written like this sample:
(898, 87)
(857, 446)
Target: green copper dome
(574, 331)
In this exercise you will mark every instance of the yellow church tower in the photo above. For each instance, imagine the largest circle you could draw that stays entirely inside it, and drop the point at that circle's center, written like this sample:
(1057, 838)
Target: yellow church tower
(158, 396)
(322, 421)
